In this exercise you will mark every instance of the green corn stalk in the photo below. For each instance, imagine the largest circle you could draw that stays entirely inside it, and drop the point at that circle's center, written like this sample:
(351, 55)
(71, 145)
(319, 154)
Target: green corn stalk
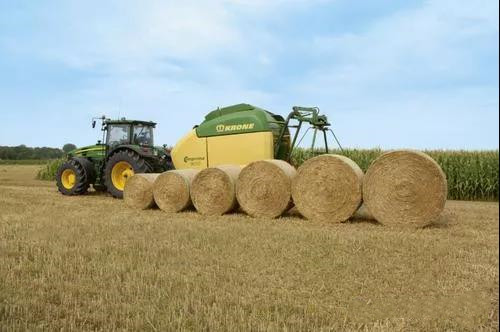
(472, 175)
(49, 172)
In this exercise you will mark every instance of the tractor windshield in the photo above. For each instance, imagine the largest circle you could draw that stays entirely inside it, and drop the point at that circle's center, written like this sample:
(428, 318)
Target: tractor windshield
(143, 135)
(118, 134)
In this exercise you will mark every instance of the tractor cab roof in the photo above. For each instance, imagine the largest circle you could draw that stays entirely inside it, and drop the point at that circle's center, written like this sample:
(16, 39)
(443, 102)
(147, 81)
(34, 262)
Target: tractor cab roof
(129, 122)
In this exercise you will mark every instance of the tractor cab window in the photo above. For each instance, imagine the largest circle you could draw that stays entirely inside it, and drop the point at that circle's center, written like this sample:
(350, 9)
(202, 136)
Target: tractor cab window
(143, 135)
(118, 134)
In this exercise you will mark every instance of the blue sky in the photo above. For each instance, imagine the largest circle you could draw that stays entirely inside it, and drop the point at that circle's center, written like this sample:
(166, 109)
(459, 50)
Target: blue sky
(390, 74)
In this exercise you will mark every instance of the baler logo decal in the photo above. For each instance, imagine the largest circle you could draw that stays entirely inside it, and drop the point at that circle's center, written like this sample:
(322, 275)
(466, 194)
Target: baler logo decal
(191, 159)
(245, 126)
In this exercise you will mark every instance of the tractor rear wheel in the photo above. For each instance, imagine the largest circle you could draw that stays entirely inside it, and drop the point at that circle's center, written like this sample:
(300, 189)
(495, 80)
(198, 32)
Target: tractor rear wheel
(72, 178)
(121, 166)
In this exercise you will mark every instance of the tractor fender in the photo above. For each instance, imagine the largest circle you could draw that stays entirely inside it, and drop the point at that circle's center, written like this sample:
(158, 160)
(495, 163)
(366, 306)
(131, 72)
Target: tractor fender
(89, 168)
(157, 163)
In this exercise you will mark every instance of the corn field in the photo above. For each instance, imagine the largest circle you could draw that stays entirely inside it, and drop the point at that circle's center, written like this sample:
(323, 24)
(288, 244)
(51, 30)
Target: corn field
(472, 175)
(49, 172)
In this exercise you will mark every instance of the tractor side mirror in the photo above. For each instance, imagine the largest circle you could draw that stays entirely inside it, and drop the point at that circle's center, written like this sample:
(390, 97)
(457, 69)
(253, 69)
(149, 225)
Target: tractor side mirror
(93, 124)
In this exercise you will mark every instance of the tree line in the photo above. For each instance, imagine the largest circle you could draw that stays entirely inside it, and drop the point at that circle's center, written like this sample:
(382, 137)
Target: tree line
(23, 152)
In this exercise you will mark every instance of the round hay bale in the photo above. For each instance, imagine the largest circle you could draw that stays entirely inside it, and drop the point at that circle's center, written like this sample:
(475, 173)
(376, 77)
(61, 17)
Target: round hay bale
(328, 188)
(405, 187)
(264, 188)
(138, 191)
(213, 189)
(171, 190)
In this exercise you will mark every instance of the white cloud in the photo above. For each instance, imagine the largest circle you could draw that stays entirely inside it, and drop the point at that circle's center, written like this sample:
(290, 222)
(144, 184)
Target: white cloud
(418, 49)
(172, 61)
(129, 34)
(432, 39)
(411, 76)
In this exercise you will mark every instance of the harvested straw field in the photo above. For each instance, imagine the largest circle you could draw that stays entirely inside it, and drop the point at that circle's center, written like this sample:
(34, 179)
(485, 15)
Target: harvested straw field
(90, 263)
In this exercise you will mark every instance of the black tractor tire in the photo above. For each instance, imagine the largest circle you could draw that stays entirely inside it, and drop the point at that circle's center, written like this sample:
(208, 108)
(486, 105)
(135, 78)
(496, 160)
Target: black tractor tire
(136, 162)
(89, 169)
(81, 180)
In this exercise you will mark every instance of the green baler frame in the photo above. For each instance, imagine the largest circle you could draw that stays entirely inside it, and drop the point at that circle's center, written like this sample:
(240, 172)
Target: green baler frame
(236, 119)
(262, 120)
(308, 115)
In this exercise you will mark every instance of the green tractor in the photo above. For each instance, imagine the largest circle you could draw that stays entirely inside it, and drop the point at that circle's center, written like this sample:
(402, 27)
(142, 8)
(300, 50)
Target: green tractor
(127, 148)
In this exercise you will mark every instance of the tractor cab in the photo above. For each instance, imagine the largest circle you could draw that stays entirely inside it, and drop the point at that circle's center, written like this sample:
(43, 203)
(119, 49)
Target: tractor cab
(128, 132)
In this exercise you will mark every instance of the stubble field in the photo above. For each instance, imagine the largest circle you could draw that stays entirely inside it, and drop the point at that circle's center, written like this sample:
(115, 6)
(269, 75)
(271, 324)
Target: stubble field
(89, 263)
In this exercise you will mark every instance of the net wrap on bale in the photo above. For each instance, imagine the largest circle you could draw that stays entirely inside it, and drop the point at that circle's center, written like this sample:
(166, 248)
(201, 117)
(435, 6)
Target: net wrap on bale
(213, 190)
(405, 186)
(264, 188)
(328, 188)
(138, 191)
(171, 190)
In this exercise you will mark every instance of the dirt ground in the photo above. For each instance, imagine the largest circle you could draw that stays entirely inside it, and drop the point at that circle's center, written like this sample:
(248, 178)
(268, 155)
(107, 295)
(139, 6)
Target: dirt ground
(90, 263)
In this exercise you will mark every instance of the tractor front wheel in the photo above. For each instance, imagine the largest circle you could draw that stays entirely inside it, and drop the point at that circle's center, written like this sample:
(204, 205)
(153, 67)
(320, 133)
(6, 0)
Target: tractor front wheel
(121, 166)
(72, 179)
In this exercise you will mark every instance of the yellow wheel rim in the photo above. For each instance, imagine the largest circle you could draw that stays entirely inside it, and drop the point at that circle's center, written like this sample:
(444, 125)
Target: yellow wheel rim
(68, 178)
(120, 173)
